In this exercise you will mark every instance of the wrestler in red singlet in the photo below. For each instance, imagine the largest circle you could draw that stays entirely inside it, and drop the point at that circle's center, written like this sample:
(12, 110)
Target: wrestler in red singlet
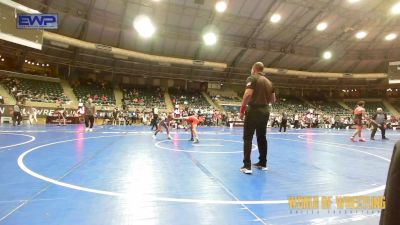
(194, 121)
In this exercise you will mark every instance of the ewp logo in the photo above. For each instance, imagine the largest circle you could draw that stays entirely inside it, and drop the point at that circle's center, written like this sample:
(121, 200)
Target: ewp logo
(37, 21)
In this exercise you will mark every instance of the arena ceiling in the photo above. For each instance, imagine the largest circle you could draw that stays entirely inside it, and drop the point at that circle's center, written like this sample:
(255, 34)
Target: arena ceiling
(245, 32)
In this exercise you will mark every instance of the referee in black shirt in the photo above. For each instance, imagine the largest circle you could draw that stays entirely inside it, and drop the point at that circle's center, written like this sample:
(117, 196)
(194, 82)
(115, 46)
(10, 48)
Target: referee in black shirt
(257, 96)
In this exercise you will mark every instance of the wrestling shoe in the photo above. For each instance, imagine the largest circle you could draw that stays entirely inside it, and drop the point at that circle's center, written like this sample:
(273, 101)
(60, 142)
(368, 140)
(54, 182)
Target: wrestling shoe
(362, 140)
(90, 130)
(196, 141)
(260, 166)
(154, 136)
(86, 129)
(352, 139)
(245, 170)
(169, 137)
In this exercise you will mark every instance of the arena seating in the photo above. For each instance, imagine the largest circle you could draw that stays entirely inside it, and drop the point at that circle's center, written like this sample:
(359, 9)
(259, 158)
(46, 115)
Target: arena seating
(148, 97)
(325, 107)
(34, 90)
(96, 90)
(190, 100)
(291, 105)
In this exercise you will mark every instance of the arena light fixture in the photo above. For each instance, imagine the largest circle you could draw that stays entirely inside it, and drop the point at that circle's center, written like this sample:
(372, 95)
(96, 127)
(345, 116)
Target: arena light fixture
(353, 1)
(144, 26)
(47, 65)
(2, 59)
(276, 18)
(221, 6)
(322, 26)
(361, 34)
(327, 55)
(391, 37)
(210, 38)
(396, 9)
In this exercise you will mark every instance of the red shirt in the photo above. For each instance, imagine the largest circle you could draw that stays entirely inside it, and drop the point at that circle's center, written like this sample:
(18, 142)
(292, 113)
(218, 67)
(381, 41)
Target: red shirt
(194, 120)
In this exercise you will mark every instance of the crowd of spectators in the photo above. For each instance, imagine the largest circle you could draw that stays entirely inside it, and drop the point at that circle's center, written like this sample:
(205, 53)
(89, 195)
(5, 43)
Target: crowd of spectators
(100, 91)
(34, 90)
(147, 97)
(188, 102)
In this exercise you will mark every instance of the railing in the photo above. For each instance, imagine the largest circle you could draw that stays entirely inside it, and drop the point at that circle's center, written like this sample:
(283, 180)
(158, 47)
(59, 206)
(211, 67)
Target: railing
(29, 76)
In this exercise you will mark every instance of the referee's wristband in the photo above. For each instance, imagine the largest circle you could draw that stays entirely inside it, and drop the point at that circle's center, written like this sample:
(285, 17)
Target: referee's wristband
(243, 109)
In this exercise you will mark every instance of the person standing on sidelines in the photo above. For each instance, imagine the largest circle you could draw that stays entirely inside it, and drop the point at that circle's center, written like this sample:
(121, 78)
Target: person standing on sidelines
(154, 121)
(283, 122)
(17, 117)
(258, 95)
(90, 112)
(33, 115)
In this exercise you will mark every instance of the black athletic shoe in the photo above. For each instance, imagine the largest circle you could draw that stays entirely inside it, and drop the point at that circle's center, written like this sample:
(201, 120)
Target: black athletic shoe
(191, 139)
(385, 138)
(260, 166)
(246, 170)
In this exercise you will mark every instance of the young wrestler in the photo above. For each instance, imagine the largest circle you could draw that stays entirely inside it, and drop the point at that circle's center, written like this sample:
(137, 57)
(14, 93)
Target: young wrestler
(166, 123)
(194, 121)
(358, 115)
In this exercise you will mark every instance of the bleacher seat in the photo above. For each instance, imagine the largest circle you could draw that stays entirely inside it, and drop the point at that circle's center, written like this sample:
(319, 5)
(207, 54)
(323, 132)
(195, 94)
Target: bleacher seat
(96, 91)
(35, 90)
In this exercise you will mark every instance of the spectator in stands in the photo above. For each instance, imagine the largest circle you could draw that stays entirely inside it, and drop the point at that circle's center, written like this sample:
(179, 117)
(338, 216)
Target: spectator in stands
(1, 100)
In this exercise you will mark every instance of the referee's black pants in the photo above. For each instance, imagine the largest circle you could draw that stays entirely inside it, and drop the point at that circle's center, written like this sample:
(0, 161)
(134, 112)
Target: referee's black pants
(89, 121)
(375, 128)
(283, 124)
(17, 118)
(255, 121)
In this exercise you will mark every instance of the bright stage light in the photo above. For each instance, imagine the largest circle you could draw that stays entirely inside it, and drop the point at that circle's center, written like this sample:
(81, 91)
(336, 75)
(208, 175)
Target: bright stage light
(361, 34)
(221, 6)
(144, 26)
(396, 9)
(210, 38)
(322, 26)
(327, 55)
(391, 37)
(276, 18)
